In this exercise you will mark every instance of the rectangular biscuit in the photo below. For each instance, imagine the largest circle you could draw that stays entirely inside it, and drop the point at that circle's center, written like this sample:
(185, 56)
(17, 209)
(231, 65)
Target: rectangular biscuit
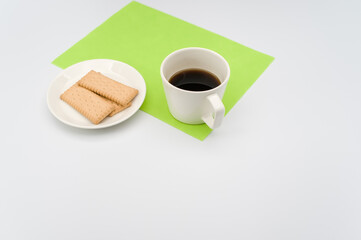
(108, 88)
(90, 105)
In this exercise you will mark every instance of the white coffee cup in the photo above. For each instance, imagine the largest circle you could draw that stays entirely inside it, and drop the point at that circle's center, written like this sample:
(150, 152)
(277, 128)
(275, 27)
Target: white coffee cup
(195, 107)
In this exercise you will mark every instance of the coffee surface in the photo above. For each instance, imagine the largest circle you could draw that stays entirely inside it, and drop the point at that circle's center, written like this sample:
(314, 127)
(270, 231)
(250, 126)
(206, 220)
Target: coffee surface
(194, 80)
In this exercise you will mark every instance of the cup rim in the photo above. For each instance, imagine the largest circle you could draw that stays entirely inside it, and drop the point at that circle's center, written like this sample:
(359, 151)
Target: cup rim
(198, 48)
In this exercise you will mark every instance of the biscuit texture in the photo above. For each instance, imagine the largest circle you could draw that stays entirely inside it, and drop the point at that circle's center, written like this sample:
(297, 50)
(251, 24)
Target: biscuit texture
(119, 108)
(108, 88)
(90, 105)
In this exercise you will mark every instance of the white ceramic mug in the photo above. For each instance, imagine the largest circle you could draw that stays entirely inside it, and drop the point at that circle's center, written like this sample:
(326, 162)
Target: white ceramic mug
(195, 107)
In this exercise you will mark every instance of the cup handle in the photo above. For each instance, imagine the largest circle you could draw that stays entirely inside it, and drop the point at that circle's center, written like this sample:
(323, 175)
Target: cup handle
(215, 117)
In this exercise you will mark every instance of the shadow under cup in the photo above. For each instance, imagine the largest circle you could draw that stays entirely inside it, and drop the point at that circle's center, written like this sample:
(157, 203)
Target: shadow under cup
(190, 106)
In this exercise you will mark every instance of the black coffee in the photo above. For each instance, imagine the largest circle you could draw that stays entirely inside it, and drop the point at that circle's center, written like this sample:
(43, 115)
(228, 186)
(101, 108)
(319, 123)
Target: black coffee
(194, 80)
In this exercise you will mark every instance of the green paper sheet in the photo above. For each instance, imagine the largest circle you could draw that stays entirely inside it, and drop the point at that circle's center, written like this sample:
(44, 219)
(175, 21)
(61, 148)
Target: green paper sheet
(142, 37)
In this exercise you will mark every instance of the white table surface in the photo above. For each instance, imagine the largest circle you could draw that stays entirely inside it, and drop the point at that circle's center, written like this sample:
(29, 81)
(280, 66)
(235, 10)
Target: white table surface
(285, 164)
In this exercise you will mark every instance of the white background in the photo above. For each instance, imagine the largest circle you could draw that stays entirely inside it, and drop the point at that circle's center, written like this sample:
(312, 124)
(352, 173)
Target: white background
(285, 164)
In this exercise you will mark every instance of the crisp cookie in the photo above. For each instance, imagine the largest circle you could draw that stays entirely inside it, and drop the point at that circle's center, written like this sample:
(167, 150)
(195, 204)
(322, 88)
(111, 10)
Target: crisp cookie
(89, 104)
(108, 88)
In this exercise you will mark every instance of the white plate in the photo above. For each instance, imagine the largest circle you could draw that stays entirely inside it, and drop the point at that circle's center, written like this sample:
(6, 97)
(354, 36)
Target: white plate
(116, 70)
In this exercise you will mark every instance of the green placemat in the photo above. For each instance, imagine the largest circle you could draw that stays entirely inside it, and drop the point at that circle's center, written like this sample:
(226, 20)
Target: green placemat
(142, 37)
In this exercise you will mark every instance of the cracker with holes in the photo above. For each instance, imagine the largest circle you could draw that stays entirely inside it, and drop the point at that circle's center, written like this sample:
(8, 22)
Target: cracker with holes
(89, 104)
(108, 88)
